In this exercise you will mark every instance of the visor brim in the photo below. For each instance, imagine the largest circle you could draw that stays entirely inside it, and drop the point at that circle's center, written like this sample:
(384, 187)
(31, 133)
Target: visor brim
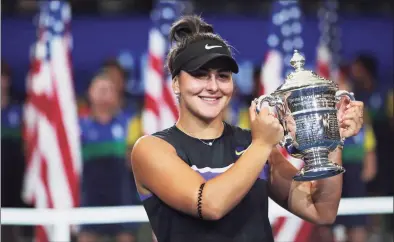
(228, 62)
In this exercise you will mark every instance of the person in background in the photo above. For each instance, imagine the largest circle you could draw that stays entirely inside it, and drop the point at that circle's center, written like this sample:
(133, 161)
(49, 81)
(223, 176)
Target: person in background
(378, 101)
(119, 75)
(12, 159)
(105, 177)
(114, 72)
(127, 104)
(359, 160)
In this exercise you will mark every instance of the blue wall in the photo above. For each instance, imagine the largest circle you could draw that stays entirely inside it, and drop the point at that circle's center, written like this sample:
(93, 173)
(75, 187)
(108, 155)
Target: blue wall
(98, 38)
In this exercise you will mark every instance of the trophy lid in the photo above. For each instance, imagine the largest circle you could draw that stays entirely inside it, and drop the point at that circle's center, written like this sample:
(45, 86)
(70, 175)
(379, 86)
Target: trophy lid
(300, 77)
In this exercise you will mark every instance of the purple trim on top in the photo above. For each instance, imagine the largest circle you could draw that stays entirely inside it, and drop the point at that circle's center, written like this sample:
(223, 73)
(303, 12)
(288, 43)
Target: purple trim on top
(264, 174)
(143, 197)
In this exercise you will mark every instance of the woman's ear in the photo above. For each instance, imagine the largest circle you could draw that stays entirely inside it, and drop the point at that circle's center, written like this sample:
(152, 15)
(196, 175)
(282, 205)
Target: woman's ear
(175, 86)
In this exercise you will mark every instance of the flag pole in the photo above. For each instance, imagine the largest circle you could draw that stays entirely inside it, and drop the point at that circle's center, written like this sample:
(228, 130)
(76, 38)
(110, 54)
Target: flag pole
(329, 46)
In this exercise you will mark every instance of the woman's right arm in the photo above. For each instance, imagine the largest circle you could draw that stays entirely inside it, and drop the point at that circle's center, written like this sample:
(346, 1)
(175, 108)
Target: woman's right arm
(163, 173)
(158, 169)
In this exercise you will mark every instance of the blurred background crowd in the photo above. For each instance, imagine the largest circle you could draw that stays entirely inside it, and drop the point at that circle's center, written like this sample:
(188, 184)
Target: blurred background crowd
(112, 55)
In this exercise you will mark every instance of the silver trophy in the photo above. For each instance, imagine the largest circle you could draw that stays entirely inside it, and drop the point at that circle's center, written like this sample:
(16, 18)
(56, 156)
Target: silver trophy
(307, 105)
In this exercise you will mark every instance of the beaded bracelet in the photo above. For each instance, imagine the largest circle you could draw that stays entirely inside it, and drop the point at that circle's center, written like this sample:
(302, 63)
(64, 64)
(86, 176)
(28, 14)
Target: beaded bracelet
(199, 199)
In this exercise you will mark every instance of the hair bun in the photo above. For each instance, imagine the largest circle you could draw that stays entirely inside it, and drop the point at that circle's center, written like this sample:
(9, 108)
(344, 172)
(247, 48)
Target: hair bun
(187, 26)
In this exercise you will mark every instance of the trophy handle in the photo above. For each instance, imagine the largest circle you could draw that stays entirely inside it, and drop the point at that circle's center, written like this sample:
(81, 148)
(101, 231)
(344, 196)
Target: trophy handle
(277, 102)
(342, 93)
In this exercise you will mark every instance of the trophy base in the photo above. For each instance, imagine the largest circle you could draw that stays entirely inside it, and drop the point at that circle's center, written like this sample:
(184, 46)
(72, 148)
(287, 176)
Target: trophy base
(321, 171)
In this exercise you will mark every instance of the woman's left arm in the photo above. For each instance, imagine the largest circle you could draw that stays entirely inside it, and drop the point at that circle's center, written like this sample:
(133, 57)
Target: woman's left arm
(315, 201)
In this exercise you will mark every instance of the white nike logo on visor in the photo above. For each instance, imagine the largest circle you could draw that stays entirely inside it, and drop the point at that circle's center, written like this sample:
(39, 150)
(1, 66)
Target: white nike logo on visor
(207, 47)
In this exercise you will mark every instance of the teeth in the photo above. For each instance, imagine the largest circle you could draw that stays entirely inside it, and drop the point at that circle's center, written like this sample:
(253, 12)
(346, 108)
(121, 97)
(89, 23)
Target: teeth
(209, 99)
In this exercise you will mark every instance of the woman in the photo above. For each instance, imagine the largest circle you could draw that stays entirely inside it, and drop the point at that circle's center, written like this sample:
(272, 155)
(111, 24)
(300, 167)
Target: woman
(205, 180)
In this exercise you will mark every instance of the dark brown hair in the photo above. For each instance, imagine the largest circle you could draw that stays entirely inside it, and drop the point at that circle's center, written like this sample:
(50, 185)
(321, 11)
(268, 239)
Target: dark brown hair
(113, 63)
(188, 30)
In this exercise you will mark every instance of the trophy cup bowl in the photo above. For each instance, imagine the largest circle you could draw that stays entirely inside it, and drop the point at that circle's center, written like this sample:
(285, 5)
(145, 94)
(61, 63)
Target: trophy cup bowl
(306, 106)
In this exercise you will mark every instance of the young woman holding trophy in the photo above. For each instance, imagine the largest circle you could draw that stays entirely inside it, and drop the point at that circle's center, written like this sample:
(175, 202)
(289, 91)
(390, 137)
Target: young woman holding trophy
(205, 180)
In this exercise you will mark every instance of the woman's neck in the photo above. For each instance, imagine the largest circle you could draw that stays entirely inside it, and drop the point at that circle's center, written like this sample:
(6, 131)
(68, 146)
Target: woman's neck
(201, 129)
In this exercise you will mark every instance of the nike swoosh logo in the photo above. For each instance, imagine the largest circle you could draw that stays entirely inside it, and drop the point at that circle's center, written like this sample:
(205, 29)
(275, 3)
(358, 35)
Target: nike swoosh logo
(238, 153)
(208, 47)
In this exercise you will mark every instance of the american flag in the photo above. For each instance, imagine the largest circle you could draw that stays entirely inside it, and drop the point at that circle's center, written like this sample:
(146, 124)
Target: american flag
(284, 37)
(328, 56)
(50, 120)
(160, 109)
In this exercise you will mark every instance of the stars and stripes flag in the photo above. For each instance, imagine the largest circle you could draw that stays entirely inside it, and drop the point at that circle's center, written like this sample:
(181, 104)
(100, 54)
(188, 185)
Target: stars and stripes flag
(283, 38)
(328, 49)
(160, 109)
(50, 120)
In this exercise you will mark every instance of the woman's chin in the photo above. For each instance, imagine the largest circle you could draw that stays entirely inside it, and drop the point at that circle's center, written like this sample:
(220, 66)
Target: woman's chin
(209, 115)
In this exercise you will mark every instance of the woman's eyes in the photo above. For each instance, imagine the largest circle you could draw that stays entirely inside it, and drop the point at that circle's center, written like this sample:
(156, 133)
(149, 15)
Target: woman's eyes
(225, 75)
(207, 75)
(200, 74)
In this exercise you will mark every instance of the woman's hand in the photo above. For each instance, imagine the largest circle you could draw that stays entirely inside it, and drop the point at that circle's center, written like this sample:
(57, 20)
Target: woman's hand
(350, 117)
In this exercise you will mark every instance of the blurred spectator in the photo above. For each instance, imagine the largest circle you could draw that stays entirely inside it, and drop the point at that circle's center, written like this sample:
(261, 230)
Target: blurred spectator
(118, 75)
(377, 99)
(12, 160)
(115, 73)
(106, 177)
(127, 104)
(359, 160)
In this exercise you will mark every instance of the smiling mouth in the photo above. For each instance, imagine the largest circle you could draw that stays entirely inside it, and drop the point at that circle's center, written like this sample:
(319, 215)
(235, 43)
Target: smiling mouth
(209, 99)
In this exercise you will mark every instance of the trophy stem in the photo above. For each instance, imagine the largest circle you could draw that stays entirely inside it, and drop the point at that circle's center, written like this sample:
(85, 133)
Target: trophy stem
(317, 166)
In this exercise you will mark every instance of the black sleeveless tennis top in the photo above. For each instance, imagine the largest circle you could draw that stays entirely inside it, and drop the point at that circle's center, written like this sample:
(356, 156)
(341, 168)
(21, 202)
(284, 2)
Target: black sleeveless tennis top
(247, 222)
